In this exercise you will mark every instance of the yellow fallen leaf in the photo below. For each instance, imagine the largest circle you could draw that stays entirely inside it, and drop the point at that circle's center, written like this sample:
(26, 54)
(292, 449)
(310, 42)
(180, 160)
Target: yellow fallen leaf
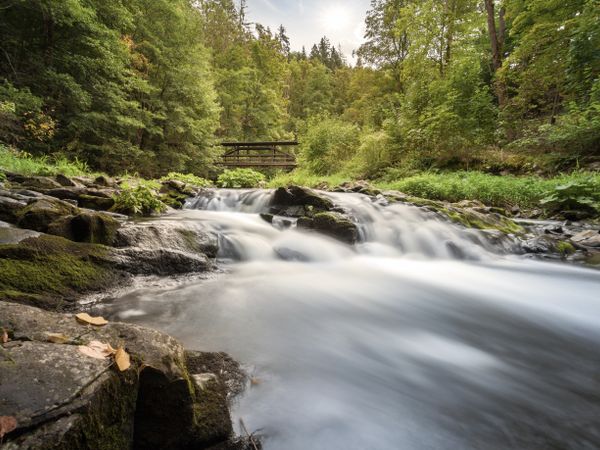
(97, 350)
(7, 424)
(57, 338)
(122, 359)
(4, 337)
(86, 318)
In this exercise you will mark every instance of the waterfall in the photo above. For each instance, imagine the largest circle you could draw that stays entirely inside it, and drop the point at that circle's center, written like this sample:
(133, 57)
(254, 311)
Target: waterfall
(424, 335)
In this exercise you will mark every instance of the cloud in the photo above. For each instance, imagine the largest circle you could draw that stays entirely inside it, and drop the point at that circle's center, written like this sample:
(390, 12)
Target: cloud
(270, 5)
(301, 6)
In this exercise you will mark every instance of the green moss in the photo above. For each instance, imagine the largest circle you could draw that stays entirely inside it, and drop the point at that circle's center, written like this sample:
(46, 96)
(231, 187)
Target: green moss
(565, 248)
(52, 267)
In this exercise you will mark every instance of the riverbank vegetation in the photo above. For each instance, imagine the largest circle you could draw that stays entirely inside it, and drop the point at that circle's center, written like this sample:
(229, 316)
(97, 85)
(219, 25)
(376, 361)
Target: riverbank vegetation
(442, 97)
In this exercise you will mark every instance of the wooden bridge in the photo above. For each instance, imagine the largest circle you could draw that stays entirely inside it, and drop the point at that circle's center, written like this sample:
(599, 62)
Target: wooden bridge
(258, 155)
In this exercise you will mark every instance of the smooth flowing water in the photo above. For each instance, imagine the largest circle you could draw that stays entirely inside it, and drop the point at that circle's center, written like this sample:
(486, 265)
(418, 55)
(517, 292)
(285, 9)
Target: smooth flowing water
(423, 336)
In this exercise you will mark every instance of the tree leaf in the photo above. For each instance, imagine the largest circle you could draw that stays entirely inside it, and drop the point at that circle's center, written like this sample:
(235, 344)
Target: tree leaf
(57, 338)
(122, 359)
(4, 337)
(97, 350)
(86, 318)
(7, 424)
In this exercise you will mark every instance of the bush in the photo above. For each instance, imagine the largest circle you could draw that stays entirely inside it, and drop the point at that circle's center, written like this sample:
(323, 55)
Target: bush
(328, 145)
(240, 178)
(577, 195)
(137, 201)
(187, 178)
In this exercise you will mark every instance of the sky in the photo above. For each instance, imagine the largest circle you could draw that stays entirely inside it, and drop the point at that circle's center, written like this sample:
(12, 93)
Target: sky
(306, 21)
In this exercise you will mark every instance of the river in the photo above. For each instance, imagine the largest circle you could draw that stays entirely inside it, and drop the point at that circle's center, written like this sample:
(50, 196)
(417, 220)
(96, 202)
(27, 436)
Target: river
(423, 336)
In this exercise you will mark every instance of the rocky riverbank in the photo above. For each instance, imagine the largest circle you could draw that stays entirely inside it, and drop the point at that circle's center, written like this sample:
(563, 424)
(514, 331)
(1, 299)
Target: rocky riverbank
(60, 240)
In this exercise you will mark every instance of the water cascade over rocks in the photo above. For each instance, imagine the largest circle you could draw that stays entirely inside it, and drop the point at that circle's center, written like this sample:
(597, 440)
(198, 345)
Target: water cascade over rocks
(421, 335)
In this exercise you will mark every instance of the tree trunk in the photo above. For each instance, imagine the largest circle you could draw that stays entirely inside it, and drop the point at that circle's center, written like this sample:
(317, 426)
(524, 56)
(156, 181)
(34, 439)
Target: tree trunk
(497, 42)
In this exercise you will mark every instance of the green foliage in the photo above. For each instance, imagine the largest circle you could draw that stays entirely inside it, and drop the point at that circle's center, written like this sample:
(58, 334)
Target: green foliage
(240, 178)
(576, 195)
(187, 178)
(304, 178)
(492, 190)
(25, 164)
(138, 201)
(328, 145)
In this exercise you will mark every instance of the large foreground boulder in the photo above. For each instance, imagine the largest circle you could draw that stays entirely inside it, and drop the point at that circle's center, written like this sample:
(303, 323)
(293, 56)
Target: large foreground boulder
(62, 398)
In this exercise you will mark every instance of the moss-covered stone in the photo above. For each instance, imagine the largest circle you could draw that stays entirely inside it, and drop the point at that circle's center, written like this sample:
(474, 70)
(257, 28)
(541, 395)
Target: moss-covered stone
(470, 216)
(565, 248)
(50, 270)
(95, 202)
(94, 228)
(39, 214)
(332, 224)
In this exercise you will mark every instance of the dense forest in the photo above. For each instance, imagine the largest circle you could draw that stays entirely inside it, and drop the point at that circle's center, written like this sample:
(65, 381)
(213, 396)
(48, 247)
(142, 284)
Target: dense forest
(152, 86)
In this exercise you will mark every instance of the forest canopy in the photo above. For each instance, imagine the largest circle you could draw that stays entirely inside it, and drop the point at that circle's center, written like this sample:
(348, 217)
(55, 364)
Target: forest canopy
(150, 86)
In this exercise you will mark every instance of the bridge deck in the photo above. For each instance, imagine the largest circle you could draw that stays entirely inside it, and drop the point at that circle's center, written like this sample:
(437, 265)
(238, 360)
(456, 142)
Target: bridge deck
(258, 155)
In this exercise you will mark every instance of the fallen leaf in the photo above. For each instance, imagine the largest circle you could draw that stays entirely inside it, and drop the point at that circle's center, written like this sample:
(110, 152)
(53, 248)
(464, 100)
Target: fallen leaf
(7, 424)
(122, 359)
(4, 338)
(255, 381)
(86, 318)
(57, 338)
(97, 350)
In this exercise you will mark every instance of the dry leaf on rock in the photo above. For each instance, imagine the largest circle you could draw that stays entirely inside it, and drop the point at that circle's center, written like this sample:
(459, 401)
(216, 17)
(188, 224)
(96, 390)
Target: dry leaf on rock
(96, 349)
(7, 424)
(4, 337)
(57, 338)
(86, 318)
(122, 359)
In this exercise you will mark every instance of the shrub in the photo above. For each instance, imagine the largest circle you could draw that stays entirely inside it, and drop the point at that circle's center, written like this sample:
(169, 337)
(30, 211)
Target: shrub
(187, 178)
(137, 201)
(240, 178)
(577, 195)
(374, 155)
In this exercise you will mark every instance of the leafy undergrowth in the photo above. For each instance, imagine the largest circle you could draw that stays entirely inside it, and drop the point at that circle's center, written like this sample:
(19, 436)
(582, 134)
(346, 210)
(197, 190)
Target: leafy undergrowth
(240, 178)
(23, 163)
(137, 200)
(493, 190)
(187, 178)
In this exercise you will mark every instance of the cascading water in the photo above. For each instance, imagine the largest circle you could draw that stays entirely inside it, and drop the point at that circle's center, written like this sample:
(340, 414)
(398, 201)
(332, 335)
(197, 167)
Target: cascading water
(422, 336)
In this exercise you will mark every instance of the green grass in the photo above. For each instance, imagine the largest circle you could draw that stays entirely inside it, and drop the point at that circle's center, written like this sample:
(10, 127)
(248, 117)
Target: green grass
(304, 178)
(25, 164)
(490, 189)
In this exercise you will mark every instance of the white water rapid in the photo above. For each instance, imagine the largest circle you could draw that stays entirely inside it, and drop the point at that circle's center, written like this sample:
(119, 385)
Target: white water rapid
(424, 335)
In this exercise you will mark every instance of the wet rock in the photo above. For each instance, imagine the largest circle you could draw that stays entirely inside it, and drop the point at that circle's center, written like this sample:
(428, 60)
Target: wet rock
(267, 217)
(587, 238)
(64, 399)
(98, 203)
(12, 235)
(361, 187)
(174, 193)
(332, 224)
(92, 227)
(40, 183)
(105, 181)
(9, 208)
(141, 261)
(39, 214)
(65, 181)
(300, 196)
(166, 234)
(66, 193)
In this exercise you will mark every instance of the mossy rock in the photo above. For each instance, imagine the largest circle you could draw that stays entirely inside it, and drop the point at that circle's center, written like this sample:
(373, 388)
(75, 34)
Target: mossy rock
(52, 272)
(95, 202)
(300, 196)
(332, 224)
(94, 228)
(39, 214)
(470, 215)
